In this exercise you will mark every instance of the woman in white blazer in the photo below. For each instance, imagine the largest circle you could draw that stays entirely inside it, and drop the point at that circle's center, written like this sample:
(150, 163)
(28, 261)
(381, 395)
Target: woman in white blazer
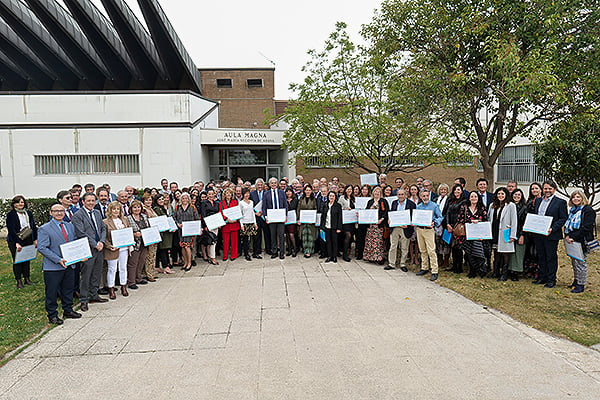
(502, 214)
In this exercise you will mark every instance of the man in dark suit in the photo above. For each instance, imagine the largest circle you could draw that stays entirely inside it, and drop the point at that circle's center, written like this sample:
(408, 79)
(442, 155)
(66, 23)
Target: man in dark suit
(64, 198)
(321, 197)
(103, 199)
(546, 246)
(257, 196)
(57, 276)
(400, 236)
(275, 199)
(88, 224)
(486, 197)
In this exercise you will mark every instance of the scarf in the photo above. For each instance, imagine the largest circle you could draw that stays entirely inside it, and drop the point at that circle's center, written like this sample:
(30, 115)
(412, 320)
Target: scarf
(574, 221)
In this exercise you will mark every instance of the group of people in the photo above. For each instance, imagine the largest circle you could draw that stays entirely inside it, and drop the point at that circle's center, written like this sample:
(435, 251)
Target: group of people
(94, 213)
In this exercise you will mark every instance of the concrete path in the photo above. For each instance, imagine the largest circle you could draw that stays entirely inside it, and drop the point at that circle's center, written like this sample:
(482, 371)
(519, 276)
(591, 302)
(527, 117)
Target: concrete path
(298, 330)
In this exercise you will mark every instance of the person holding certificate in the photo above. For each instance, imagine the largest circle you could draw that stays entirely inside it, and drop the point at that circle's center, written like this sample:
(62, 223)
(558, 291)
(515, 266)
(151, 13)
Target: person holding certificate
(160, 207)
(361, 231)
(530, 261)
(331, 223)
(503, 216)
(579, 228)
(248, 227)
(346, 201)
(413, 248)
(515, 261)
(231, 229)
(210, 206)
(137, 257)
(291, 230)
(150, 266)
(116, 258)
(400, 235)
(274, 199)
(442, 249)
(58, 277)
(308, 232)
(426, 236)
(476, 251)
(374, 249)
(185, 211)
(22, 231)
(547, 245)
(450, 212)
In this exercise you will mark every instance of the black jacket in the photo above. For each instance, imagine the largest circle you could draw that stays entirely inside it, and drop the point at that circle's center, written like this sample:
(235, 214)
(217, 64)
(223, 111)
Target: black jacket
(585, 233)
(336, 215)
(13, 226)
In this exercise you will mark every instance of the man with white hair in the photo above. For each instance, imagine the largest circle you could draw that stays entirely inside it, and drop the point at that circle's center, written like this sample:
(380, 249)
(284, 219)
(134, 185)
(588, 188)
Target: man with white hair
(257, 196)
(275, 199)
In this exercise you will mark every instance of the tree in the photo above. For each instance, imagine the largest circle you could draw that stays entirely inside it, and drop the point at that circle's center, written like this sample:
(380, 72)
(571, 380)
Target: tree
(342, 110)
(488, 71)
(571, 155)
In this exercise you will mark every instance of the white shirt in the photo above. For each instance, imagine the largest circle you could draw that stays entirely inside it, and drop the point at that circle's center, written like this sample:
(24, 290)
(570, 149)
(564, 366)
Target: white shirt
(119, 223)
(544, 205)
(248, 216)
(441, 202)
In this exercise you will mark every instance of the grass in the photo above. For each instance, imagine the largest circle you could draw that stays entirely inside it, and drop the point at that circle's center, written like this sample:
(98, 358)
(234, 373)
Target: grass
(22, 312)
(556, 311)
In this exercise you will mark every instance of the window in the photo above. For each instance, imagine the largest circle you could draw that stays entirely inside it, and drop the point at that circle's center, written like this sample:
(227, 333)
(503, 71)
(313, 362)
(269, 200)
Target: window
(328, 162)
(254, 83)
(224, 83)
(462, 162)
(78, 164)
(516, 162)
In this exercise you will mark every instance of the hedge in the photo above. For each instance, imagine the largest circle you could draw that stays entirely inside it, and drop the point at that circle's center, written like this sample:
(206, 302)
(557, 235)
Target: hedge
(39, 207)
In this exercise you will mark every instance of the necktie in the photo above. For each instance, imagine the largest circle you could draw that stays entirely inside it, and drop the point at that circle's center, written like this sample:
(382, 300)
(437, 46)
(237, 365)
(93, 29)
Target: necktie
(124, 209)
(275, 199)
(103, 211)
(95, 227)
(70, 213)
(260, 195)
(64, 232)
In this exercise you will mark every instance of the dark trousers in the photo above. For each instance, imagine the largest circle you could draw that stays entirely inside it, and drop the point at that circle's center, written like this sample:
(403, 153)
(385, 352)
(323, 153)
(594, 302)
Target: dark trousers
(457, 259)
(21, 270)
(163, 257)
(277, 235)
(361, 235)
(246, 243)
(59, 282)
(547, 258)
(263, 228)
(331, 239)
(135, 265)
(90, 276)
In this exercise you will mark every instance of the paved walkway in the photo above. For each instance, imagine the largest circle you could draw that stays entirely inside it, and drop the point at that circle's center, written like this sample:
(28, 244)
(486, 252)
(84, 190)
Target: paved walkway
(298, 330)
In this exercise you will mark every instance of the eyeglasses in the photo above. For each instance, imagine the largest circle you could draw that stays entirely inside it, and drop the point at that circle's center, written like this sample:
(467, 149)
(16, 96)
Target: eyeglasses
(57, 211)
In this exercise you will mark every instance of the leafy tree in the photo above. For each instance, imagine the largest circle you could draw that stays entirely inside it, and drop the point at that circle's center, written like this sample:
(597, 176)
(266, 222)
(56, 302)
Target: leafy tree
(571, 155)
(342, 109)
(487, 71)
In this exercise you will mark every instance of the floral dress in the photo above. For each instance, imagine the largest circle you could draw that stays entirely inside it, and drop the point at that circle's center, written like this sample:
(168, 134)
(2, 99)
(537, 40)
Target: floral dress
(374, 243)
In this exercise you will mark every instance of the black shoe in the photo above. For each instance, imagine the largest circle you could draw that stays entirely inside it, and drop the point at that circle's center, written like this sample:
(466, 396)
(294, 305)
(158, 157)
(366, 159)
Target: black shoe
(274, 255)
(71, 314)
(84, 306)
(550, 285)
(403, 269)
(143, 282)
(269, 252)
(422, 272)
(433, 277)
(323, 256)
(248, 258)
(359, 258)
(281, 256)
(103, 290)
(539, 282)
(578, 289)
(334, 259)
(134, 286)
(328, 260)
(194, 263)
(289, 253)
(55, 321)
(294, 254)
(98, 300)
(307, 256)
(346, 258)
(514, 277)
(502, 278)
(388, 267)
(257, 256)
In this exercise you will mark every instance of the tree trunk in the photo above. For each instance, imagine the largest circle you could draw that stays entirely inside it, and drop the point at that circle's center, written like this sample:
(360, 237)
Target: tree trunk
(488, 172)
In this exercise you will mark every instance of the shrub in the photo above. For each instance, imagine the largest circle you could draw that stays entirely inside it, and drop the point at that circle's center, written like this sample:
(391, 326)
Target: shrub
(39, 207)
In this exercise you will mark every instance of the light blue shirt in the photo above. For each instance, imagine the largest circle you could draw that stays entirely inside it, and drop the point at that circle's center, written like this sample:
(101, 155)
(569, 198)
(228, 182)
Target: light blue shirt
(544, 205)
(437, 214)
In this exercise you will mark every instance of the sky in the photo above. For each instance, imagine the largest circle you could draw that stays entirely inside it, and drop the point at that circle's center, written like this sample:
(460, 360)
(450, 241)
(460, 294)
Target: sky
(242, 33)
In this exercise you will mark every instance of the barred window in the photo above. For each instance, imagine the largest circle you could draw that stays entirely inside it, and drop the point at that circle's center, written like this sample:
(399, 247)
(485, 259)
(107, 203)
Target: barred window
(329, 161)
(403, 161)
(78, 164)
(516, 163)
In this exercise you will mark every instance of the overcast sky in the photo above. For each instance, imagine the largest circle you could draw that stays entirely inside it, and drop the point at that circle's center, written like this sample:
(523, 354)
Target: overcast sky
(234, 33)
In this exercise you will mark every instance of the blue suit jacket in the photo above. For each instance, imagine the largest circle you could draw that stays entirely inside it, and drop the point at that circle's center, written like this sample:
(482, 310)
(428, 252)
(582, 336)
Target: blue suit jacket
(49, 240)
(410, 205)
(557, 209)
(254, 196)
(267, 201)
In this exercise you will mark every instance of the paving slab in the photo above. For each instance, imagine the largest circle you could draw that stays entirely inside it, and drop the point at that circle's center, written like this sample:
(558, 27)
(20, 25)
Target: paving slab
(298, 329)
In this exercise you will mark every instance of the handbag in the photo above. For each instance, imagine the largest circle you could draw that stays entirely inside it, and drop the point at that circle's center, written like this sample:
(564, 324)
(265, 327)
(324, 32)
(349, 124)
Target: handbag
(25, 233)
(459, 228)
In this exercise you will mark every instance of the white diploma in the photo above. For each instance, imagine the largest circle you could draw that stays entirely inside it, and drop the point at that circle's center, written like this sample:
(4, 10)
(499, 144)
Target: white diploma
(349, 216)
(27, 253)
(360, 203)
(308, 216)
(151, 235)
(318, 219)
(390, 200)
(368, 216)
(122, 237)
(172, 224)
(539, 224)
(233, 213)
(258, 207)
(574, 250)
(161, 222)
(368, 179)
(399, 218)
(480, 230)
(422, 217)
(214, 221)
(75, 251)
(276, 215)
(291, 217)
(192, 228)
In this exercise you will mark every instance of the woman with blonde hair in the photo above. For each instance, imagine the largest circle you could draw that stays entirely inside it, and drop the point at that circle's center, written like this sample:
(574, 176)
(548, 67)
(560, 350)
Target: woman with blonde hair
(184, 212)
(150, 265)
(137, 258)
(231, 228)
(116, 258)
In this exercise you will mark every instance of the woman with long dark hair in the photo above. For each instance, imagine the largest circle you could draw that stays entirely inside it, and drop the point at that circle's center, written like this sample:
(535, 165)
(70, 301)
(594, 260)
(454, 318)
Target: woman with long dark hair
(161, 204)
(346, 201)
(475, 250)
(413, 247)
(331, 223)
(307, 231)
(450, 212)
(502, 213)
(22, 231)
(291, 229)
(361, 231)
(515, 260)
(374, 242)
(530, 263)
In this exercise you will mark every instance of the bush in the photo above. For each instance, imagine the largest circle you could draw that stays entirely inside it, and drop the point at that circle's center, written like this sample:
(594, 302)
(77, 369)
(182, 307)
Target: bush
(39, 207)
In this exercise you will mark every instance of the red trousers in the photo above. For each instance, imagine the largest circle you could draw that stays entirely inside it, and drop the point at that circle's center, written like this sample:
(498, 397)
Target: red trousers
(231, 236)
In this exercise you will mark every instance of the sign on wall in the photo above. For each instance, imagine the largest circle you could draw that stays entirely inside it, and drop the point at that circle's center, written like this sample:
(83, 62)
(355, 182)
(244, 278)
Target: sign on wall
(241, 136)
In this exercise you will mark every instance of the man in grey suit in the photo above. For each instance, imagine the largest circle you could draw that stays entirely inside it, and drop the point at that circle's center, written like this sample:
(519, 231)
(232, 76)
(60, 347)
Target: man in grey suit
(88, 224)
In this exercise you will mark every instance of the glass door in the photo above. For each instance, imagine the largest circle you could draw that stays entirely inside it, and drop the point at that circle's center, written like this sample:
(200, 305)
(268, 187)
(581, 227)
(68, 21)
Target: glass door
(273, 172)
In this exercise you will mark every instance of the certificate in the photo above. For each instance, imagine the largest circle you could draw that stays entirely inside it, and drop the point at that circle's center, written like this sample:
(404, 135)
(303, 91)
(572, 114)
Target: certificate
(480, 230)
(192, 228)
(399, 218)
(258, 207)
(539, 224)
(151, 235)
(308, 216)
(360, 203)
(214, 221)
(318, 219)
(446, 236)
(27, 253)
(506, 234)
(368, 179)
(75, 251)
(233, 213)
(349, 216)
(161, 222)
(390, 200)
(291, 217)
(574, 250)
(276, 215)
(422, 217)
(122, 237)
(368, 216)
(172, 224)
